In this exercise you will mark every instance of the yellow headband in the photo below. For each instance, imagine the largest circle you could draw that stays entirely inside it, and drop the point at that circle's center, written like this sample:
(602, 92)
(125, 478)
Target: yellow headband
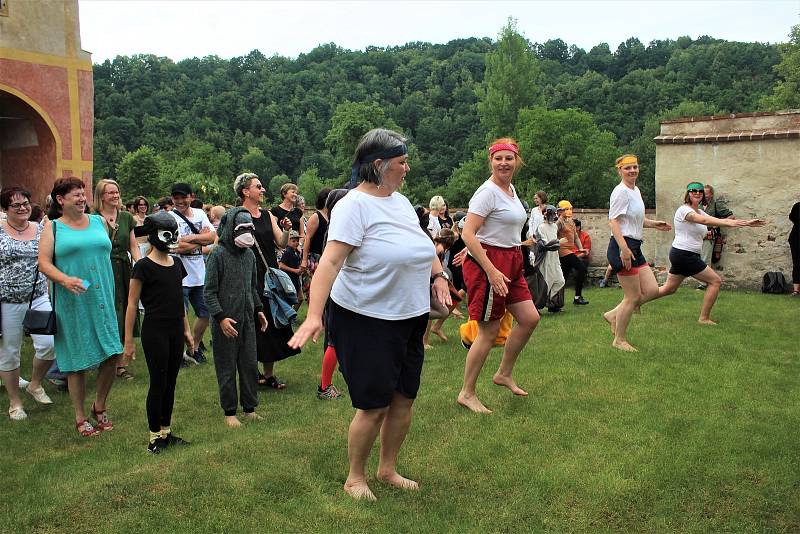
(627, 160)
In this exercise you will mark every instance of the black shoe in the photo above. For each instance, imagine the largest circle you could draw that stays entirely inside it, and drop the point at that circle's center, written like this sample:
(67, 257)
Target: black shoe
(155, 447)
(172, 439)
(554, 310)
(580, 301)
(202, 348)
(199, 357)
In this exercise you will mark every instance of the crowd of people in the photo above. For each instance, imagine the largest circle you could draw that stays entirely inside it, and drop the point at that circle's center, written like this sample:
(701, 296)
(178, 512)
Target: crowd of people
(379, 275)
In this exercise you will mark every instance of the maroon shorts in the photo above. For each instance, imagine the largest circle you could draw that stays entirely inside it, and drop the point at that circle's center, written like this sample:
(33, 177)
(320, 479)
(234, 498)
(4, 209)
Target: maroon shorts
(484, 304)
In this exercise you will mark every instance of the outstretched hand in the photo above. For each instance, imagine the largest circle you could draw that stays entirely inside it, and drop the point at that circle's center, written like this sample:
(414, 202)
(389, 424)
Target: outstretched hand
(664, 226)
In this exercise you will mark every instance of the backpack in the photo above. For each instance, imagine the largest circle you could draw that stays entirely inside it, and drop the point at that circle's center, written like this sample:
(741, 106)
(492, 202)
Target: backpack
(774, 282)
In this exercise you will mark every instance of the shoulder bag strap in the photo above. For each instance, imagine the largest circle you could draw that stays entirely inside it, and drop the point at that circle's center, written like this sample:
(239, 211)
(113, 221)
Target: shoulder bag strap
(192, 227)
(36, 274)
(261, 254)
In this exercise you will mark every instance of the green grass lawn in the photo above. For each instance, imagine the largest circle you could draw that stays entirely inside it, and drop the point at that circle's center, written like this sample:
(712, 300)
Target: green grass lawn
(697, 432)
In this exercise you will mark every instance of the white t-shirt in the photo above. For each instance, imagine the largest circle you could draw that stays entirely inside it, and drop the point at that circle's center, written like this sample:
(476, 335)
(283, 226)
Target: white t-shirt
(387, 274)
(688, 235)
(533, 223)
(626, 205)
(503, 215)
(434, 226)
(194, 263)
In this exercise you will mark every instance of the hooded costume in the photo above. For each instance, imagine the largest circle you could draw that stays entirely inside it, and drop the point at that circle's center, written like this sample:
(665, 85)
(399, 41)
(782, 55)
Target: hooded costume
(230, 292)
(550, 266)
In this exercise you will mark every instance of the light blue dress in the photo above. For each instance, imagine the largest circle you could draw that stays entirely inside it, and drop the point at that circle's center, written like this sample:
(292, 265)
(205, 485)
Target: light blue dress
(87, 323)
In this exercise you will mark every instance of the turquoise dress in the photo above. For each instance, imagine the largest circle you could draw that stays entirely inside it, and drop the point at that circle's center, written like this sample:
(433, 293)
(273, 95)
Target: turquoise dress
(87, 323)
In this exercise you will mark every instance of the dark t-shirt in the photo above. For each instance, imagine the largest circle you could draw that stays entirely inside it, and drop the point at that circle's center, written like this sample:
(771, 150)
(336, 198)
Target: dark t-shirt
(291, 258)
(294, 215)
(162, 288)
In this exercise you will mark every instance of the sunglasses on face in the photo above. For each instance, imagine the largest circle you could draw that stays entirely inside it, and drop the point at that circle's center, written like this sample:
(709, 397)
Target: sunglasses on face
(696, 191)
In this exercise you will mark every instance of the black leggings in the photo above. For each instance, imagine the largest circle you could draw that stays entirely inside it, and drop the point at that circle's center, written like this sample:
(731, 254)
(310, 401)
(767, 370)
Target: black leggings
(569, 262)
(162, 342)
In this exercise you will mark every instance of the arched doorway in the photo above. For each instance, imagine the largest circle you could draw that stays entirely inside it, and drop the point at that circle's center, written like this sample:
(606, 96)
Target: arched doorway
(27, 148)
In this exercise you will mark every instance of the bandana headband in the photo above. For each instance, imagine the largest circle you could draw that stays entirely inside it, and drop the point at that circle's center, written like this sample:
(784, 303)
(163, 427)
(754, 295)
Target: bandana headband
(394, 152)
(503, 146)
(695, 186)
(627, 160)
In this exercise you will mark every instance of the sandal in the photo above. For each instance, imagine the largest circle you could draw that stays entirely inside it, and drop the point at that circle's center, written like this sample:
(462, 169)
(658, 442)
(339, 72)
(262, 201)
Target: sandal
(124, 374)
(17, 413)
(270, 382)
(103, 422)
(86, 429)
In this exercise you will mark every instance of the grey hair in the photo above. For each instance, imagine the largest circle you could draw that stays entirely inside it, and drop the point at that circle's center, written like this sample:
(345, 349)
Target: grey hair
(242, 182)
(375, 140)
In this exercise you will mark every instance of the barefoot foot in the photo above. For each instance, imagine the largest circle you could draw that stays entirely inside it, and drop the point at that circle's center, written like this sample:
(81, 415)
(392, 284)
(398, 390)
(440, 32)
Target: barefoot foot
(439, 334)
(472, 403)
(359, 490)
(611, 319)
(507, 381)
(706, 321)
(427, 346)
(232, 421)
(253, 416)
(398, 481)
(624, 345)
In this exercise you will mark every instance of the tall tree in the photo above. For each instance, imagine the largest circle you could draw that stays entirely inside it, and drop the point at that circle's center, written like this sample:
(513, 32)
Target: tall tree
(786, 93)
(138, 173)
(509, 82)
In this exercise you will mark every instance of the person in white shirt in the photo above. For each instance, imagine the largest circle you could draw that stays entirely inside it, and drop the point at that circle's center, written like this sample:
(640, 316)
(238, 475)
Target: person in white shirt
(377, 267)
(691, 225)
(493, 273)
(627, 219)
(195, 231)
(436, 206)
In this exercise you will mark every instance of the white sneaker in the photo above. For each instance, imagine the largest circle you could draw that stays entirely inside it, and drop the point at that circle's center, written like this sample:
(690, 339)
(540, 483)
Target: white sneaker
(39, 395)
(187, 358)
(23, 383)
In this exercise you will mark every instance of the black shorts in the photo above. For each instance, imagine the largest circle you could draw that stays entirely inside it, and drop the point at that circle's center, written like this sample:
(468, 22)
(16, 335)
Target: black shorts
(685, 263)
(377, 357)
(613, 256)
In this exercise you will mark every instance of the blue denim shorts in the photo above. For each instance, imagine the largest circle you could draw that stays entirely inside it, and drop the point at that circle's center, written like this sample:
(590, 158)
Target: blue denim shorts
(194, 295)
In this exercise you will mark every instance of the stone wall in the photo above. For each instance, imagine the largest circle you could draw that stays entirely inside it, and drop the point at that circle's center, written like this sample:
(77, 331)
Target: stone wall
(753, 162)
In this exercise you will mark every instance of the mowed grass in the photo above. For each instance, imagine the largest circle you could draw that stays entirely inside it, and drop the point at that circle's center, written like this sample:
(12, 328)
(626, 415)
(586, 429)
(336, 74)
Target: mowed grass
(697, 432)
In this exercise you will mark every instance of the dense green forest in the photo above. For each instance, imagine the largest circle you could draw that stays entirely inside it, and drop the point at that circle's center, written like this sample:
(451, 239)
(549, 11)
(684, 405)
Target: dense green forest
(204, 120)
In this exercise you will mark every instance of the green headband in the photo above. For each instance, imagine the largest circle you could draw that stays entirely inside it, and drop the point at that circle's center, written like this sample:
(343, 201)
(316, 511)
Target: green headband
(695, 186)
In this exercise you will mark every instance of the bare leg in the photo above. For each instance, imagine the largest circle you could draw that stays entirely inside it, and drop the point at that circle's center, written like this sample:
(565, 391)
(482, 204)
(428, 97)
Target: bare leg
(426, 336)
(198, 329)
(393, 433)
(105, 379)
(621, 315)
(364, 429)
(76, 384)
(11, 381)
(476, 357)
(708, 276)
(437, 328)
(39, 370)
(269, 368)
(527, 318)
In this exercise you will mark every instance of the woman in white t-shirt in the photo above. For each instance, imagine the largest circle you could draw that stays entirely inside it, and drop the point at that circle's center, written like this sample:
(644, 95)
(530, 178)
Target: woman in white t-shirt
(493, 273)
(377, 267)
(691, 226)
(626, 219)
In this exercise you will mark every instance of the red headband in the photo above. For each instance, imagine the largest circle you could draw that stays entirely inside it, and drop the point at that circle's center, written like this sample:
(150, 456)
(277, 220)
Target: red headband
(503, 146)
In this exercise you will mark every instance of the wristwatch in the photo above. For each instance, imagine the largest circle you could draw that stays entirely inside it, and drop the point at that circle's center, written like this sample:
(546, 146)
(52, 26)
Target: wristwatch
(440, 274)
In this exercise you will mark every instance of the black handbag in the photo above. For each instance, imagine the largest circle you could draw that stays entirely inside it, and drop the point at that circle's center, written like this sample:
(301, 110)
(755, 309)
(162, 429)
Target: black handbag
(41, 322)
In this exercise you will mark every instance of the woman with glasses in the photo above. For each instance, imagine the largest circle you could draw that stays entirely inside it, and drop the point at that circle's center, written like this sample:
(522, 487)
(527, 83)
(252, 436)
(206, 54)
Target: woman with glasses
(141, 207)
(120, 225)
(690, 228)
(271, 344)
(19, 252)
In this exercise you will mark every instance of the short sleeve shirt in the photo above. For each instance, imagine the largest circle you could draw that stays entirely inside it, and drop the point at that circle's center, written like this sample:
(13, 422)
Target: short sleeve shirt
(193, 262)
(162, 291)
(626, 205)
(387, 274)
(688, 235)
(504, 216)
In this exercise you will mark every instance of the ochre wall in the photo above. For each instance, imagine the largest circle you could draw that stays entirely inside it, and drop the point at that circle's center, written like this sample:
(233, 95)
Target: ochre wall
(758, 178)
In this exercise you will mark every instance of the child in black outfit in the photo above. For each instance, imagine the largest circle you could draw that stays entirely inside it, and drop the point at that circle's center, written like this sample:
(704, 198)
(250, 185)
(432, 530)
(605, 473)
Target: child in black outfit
(290, 264)
(156, 280)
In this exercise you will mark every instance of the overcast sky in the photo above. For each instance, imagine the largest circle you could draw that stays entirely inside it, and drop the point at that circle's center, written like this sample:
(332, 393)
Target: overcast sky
(190, 28)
